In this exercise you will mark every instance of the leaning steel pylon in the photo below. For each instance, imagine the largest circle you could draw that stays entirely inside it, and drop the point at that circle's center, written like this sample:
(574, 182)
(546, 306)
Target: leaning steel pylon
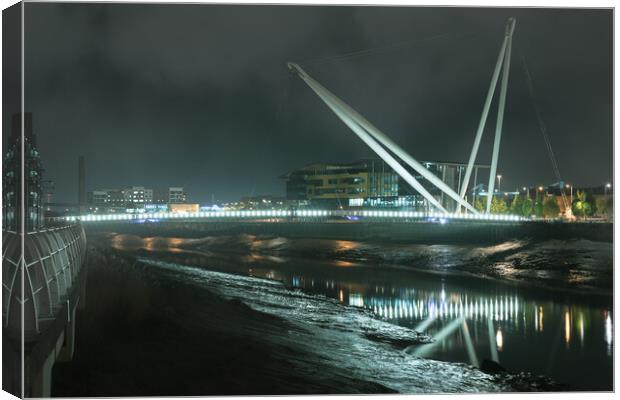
(374, 137)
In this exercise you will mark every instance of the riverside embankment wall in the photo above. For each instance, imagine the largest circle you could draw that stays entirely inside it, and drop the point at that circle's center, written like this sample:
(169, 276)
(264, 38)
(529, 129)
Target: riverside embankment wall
(392, 231)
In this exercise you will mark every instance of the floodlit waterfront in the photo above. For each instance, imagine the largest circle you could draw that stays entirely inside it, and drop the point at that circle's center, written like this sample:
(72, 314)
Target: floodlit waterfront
(559, 334)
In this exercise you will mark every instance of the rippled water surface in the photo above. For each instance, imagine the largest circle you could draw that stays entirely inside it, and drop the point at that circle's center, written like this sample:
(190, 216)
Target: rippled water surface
(367, 302)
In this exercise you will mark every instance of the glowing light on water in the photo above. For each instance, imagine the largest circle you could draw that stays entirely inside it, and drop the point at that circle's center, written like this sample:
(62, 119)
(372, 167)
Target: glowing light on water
(426, 306)
(540, 316)
(425, 324)
(499, 339)
(439, 337)
(608, 333)
(473, 359)
(516, 307)
(492, 343)
(581, 328)
(356, 300)
(567, 327)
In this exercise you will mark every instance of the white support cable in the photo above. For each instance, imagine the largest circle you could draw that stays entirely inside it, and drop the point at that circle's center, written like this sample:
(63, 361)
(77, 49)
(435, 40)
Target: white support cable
(381, 137)
(483, 118)
(543, 130)
(500, 113)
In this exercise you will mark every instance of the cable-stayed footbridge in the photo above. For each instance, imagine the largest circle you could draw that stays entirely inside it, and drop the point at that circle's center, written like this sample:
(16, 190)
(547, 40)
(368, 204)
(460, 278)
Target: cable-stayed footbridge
(396, 157)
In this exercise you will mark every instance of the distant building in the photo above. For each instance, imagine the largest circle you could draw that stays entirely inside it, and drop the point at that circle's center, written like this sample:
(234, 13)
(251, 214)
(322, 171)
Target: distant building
(371, 183)
(134, 198)
(12, 189)
(452, 174)
(98, 197)
(169, 195)
(176, 195)
(260, 202)
(138, 195)
(107, 199)
(333, 183)
(48, 193)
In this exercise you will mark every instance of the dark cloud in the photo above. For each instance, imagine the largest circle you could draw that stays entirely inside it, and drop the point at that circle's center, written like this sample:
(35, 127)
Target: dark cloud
(199, 95)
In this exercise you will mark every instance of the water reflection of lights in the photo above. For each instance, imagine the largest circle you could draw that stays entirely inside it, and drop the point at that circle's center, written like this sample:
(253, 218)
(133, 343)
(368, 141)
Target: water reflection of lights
(130, 243)
(345, 245)
(439, 337)
(499, 339)
(427, 307)
(538, 319)
(356, 300)
(567, 328)
(500, 308)
(581, 328)
(343, 263)
(608, 332)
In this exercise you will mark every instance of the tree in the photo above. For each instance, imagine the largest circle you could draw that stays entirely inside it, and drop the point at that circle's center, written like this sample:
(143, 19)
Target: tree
(527, 207)
(581, 207)
(479, 205)
(538, 208)
(601, 206)
(551, 209)
(516, 205)
(498, 205)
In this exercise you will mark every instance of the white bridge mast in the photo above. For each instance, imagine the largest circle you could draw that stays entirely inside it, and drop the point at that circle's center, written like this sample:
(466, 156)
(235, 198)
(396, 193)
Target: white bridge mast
(502, 60)
(510, 27)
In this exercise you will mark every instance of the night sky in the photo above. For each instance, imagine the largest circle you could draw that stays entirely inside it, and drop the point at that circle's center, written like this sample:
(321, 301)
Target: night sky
(200, 96)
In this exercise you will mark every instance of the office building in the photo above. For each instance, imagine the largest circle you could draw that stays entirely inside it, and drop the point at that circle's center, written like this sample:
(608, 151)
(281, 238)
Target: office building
(12, 189)
(452, 174)
(107, 199)
(372, 183)
(134, 198)
(169, 195)
(138, 195)
(176, 195)
(337, 183)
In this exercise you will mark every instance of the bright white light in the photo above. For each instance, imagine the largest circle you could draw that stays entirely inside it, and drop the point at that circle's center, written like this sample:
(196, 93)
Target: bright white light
(499, 339)
(608, 330)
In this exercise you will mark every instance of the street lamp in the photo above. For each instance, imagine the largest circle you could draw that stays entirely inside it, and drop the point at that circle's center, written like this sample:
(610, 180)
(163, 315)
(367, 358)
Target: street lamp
(499, 183)
(607, 186)
(571, 193)
(540, 189)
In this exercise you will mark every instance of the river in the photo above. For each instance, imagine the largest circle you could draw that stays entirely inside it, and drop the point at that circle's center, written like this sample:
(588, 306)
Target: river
(365, 302)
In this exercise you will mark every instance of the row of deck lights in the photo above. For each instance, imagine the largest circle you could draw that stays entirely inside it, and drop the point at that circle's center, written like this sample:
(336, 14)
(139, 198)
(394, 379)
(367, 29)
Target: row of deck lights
(296, 213)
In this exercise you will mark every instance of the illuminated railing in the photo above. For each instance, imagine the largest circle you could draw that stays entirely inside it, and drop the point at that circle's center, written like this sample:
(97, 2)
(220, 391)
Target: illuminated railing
(306, 214)
(50, 262)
